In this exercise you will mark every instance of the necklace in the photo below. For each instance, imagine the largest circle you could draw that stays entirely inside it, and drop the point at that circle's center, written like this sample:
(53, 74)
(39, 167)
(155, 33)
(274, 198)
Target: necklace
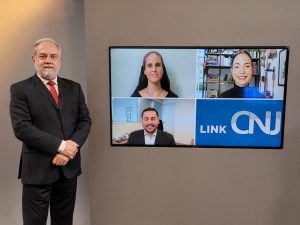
(151, 95)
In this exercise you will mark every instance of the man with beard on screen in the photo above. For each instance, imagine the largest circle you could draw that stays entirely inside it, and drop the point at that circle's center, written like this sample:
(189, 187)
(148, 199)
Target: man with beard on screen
(150, 135)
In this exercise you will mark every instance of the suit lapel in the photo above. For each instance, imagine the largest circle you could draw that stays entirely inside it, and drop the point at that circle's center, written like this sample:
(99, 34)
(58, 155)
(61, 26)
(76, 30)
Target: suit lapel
(61, 89)
(40, 86)
(158, 139)
(141, 138)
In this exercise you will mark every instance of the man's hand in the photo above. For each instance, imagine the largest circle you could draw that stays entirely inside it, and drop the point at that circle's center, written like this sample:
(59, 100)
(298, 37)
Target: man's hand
(60, 160)
(71, 149)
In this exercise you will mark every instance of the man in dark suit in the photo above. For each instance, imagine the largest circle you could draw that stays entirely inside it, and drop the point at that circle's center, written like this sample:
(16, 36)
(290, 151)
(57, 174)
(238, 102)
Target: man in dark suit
(49, 115)
(150, 135)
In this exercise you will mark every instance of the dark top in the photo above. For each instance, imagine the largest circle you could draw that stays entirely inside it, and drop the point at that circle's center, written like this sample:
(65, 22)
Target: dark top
(242, 92)
(162, 138)
(169, 95)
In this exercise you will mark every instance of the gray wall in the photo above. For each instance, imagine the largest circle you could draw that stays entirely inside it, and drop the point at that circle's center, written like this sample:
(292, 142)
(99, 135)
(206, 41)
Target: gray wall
(165, 186)
(143, 186)
(22, 22)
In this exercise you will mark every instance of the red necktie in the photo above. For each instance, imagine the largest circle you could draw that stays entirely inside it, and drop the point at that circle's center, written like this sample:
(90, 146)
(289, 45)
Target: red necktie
(53, 92)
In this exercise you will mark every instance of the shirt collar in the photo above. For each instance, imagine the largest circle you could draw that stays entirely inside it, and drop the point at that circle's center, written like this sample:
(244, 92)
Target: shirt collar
(46, 81)
(154, 134)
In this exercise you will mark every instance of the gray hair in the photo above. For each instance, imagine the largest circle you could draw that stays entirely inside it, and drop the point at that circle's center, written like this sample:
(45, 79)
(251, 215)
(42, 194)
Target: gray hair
(43, 40)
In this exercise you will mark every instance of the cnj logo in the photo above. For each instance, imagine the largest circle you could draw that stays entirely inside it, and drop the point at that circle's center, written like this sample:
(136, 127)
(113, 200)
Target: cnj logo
(248, 126)
(252, 119)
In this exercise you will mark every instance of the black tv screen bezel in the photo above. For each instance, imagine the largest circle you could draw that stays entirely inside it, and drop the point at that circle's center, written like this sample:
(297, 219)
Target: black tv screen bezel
(110, 48)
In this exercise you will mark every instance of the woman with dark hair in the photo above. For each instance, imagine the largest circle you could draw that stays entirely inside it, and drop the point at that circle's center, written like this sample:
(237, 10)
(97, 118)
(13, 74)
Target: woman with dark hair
(242, 71)
(153, 81)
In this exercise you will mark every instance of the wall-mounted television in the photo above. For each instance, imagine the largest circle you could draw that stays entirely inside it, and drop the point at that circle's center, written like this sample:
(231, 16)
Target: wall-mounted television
(198, 96)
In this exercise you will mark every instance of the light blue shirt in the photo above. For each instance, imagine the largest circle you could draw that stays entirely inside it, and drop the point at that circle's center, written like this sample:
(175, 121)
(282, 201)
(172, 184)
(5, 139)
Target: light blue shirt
(150, 140)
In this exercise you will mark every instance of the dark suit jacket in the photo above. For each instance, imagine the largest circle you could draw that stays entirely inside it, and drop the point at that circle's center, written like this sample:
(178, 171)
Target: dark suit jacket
(41, 126)
(162, 138)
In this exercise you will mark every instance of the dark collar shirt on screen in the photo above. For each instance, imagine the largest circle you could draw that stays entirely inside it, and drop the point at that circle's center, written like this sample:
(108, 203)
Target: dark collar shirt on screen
(169, 95)
(242, 92)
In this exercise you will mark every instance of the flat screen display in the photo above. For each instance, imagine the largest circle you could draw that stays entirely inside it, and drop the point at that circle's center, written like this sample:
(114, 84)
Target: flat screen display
(198, 96)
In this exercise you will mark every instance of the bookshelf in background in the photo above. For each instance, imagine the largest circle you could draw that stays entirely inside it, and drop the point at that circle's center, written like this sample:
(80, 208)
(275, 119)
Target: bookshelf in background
(217, 76)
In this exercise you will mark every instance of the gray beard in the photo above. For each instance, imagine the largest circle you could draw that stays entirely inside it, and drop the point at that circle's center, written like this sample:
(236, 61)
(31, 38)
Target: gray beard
(46, 74)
